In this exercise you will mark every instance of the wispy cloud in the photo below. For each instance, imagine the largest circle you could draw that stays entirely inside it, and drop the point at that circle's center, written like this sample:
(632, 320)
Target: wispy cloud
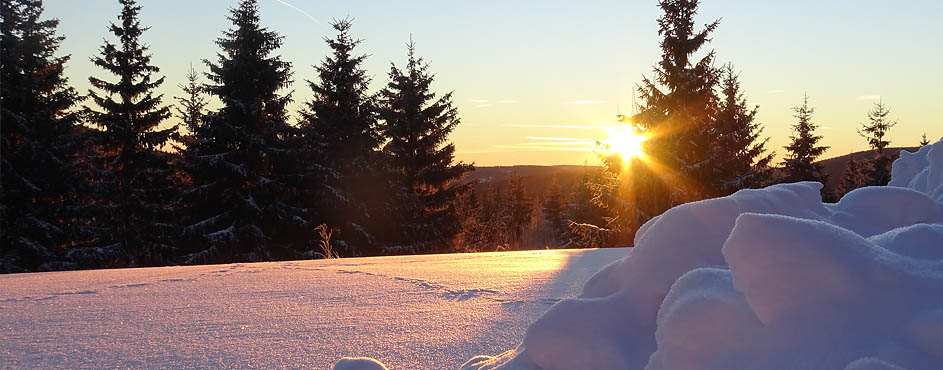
(483, 151)
(546, 144)
(555, 138)
(497, 149)
(542, 144)
(869, 97)
(529, 148)
(558, 143)
(487, 103)
(777, 91)
(285, 3)
(582, 127)
(585, 102)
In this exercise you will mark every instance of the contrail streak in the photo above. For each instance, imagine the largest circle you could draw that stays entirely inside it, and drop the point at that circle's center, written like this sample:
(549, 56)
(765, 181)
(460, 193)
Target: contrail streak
(283, 2)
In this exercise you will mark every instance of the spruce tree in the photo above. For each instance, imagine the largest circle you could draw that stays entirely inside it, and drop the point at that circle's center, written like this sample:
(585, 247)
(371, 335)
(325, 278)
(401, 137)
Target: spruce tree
(554, 209)
(613, 192)
(801, 153)
(923, 140)
(340, 123)
(855, 175)
(520, 210)
(677, 110)
(240, 161)
(739, 160)
(191, 107)
(41, 168)
(473, 234)
(580, 207)
(416, 126)
(495, 217)
(136, 200)
(590, 220)
(875, 131)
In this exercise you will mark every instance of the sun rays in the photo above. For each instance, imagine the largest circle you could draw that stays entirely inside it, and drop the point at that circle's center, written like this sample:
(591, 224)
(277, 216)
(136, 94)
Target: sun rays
(626, 142)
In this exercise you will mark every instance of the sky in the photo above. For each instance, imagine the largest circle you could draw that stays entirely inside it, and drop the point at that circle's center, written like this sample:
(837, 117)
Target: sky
(537, 82)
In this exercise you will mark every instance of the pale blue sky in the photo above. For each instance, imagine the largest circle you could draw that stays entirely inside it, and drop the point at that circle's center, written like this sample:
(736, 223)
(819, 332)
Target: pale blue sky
(516, 65)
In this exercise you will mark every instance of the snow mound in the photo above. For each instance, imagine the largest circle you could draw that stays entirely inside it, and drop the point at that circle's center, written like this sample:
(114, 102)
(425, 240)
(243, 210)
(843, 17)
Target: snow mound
(765, 279)
(921, 171)
(359, 363)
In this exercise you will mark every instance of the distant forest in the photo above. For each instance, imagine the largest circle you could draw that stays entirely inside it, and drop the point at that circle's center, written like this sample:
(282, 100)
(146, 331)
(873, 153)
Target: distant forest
(101, 179)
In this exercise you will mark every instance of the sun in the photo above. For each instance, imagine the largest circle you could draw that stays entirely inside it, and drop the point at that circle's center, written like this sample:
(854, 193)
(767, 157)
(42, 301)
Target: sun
(626, 142)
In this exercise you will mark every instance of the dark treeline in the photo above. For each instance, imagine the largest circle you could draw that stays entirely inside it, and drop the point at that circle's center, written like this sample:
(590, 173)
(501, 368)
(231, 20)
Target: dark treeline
(528, 210)
(102, 179)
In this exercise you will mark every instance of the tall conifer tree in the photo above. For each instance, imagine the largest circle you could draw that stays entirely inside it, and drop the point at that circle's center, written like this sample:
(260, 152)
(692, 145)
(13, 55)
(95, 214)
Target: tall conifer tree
(240, 159)
(135, 205)
(520, 209)
(580, 207)
(875, 131)
(678, 109)
(677, 112)
(191, 107)
(739, 160)
(613, 193)
(801, 153)
(554, 213)
(495, 216)
(473, 235)
(416, 125)
(341, 120)
(40, 177)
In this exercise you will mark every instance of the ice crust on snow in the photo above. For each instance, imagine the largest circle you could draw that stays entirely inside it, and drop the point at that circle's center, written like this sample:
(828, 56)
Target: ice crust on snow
(765, 279)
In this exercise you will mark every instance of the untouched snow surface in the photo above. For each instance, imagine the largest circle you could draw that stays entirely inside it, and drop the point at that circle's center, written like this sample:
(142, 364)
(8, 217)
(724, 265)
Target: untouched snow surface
(411, 312)
(765, 279)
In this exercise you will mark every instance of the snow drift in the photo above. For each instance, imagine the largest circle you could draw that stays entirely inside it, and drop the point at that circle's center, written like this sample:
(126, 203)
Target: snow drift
(765, 279)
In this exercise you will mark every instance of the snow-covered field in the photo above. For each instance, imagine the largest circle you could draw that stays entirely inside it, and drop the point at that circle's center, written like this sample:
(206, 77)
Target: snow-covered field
(411, 312)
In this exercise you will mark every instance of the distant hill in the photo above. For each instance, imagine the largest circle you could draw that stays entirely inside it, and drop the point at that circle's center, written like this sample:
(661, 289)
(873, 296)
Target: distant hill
(537, 179)
(834, 167)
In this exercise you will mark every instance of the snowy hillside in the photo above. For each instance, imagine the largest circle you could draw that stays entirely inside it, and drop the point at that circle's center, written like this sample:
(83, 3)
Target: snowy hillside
(412, 312)
(765, 279)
